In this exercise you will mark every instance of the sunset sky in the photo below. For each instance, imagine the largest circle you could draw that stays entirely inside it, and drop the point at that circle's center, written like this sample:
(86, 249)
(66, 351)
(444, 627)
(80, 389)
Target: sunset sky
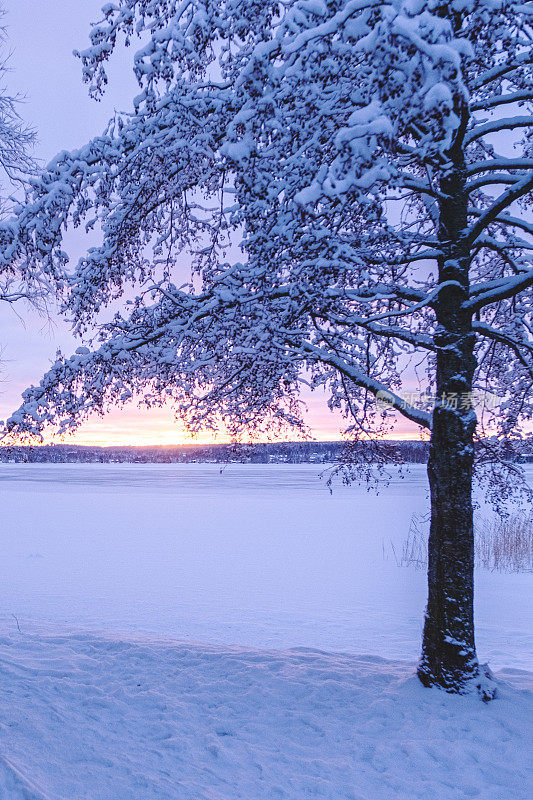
(41, 39)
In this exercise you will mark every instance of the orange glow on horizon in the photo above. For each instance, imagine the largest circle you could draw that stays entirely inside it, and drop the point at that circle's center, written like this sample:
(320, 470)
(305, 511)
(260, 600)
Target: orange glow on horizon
(174, 435)
(141, 427)
(150, 441)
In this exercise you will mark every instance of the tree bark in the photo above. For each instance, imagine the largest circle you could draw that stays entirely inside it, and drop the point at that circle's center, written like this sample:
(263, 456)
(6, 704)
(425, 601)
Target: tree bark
(449, 658)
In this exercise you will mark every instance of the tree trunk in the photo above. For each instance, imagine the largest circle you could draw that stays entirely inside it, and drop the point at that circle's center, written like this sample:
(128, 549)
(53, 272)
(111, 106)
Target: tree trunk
(449, 657)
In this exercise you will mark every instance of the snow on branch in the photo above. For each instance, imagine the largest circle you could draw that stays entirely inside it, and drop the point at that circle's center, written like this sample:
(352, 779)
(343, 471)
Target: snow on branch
(513, 63)
(502, 99)
(523, 350)
(510, 287)
(500, 164)
(497, 126)
(374, 386)
(520, 188)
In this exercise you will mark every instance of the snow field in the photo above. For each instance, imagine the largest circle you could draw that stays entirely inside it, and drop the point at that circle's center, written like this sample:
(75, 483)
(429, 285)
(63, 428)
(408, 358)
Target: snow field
(260, 556)
(182, 634)
(109, 719)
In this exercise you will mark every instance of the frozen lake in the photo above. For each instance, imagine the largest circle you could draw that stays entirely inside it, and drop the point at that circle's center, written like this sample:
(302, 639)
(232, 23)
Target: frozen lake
(255, 555)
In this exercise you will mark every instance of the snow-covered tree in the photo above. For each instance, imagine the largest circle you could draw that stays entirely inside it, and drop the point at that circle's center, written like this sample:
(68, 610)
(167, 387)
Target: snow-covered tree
(18, 280)
(347, 181)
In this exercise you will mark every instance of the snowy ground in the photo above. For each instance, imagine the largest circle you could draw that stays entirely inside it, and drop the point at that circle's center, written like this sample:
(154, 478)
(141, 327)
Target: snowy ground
(114, 573)
(94, 719)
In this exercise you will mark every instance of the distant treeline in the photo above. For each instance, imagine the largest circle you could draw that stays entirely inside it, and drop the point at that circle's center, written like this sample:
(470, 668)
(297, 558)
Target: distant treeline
(260, 453)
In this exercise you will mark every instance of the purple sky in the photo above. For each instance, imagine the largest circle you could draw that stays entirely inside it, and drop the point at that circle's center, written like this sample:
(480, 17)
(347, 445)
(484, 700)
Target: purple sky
(41, 37)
